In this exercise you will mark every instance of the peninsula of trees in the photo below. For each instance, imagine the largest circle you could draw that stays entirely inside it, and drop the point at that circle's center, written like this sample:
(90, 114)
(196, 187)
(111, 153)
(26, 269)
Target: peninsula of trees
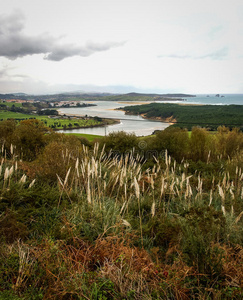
(187, 116)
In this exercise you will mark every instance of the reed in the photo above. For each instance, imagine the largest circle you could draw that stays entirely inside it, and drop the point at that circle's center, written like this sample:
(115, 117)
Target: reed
(175, 215)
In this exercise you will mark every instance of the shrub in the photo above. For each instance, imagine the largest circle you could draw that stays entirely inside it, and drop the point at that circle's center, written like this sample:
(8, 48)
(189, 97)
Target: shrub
(11, 229)
(119, 142)
(202, 227)
(29, 138)
(174, 140)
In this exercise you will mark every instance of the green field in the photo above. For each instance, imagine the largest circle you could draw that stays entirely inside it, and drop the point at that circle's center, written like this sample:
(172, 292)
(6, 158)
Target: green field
(10, 104)
(57, 123)
(4, 115)
(89, 137)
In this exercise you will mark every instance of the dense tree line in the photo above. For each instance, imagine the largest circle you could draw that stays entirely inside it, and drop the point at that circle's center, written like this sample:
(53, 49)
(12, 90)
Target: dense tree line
(188, 116)
(31, 136)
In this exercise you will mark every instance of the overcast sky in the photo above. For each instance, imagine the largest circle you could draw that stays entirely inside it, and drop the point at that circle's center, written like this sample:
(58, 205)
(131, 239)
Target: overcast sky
(186, 46)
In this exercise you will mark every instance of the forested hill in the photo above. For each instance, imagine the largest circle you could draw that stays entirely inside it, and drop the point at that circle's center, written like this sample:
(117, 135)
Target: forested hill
(96, 96)
(163, 95)
(146, 97)
(187, 116)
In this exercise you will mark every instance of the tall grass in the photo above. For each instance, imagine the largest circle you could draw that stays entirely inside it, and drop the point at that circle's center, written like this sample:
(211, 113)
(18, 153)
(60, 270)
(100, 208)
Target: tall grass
(98, 178)
(122, 231)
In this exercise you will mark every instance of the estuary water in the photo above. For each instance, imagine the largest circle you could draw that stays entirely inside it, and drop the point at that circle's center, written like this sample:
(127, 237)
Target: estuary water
(106, 109)
(136, 124)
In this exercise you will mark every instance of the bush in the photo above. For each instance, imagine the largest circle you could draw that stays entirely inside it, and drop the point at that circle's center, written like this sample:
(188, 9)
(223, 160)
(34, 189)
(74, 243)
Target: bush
(11, 229)
(29, 139)
(202, 227)
(119, 142)
(174, 140)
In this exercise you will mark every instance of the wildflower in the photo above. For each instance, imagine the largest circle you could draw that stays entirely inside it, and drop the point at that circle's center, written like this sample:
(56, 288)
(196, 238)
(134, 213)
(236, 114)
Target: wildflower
(165, 273)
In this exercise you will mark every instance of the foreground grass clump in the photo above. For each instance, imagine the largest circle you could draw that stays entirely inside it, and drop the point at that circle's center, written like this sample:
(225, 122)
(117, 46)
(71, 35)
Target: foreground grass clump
(81, 222)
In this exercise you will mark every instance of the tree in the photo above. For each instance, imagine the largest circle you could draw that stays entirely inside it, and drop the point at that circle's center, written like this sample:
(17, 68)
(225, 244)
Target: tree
(174, 140)
(29, 138)
(7, 128)
(198, 144)
(121, 141)
(229, 142)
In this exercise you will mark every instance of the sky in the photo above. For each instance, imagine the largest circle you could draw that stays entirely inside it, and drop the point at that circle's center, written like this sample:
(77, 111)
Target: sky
(121, 46)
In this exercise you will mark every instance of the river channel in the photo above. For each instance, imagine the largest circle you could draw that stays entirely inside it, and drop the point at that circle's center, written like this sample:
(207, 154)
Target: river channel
(106, 109)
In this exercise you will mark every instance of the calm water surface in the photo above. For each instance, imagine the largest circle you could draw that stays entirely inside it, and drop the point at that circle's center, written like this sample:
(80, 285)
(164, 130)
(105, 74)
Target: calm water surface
(106, 109)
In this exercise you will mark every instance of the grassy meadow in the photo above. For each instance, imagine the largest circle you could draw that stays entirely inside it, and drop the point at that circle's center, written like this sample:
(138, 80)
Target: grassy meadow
(56, 123)
(89, 137)
(121, 218)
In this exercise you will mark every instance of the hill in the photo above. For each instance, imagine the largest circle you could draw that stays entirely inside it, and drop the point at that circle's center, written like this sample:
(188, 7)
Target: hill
(96, 96)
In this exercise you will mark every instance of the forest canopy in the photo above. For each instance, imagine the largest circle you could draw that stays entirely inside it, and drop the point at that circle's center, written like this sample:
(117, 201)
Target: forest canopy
(187, 116)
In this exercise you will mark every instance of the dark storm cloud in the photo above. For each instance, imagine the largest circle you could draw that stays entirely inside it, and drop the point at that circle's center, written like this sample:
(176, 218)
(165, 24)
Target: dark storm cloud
(14, 43)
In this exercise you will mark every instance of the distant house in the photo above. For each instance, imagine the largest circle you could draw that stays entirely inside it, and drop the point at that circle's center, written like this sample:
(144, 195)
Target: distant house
(19, 101)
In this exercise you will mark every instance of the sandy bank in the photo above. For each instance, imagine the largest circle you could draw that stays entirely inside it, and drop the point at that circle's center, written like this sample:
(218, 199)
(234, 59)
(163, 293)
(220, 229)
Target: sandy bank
(171, 120)
(134, 103)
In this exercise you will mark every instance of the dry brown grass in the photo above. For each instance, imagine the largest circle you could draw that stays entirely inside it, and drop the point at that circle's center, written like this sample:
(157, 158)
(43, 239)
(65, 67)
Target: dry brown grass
(130, 269)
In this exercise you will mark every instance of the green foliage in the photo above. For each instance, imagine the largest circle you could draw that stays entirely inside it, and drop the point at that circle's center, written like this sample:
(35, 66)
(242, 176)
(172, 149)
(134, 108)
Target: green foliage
(174, 140)
(119, 142)
(103, 289)
(9, 295)
(9, 268)
(187, 116)
(229, 142)
(28, 138)
(201, 227)
(56, 122)
(7, 129)
(164, 230)
(55, 160)
(89, 137)
(198, 144)
(91, 222)
(48, 224)
(76, 221)
(11, 228)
